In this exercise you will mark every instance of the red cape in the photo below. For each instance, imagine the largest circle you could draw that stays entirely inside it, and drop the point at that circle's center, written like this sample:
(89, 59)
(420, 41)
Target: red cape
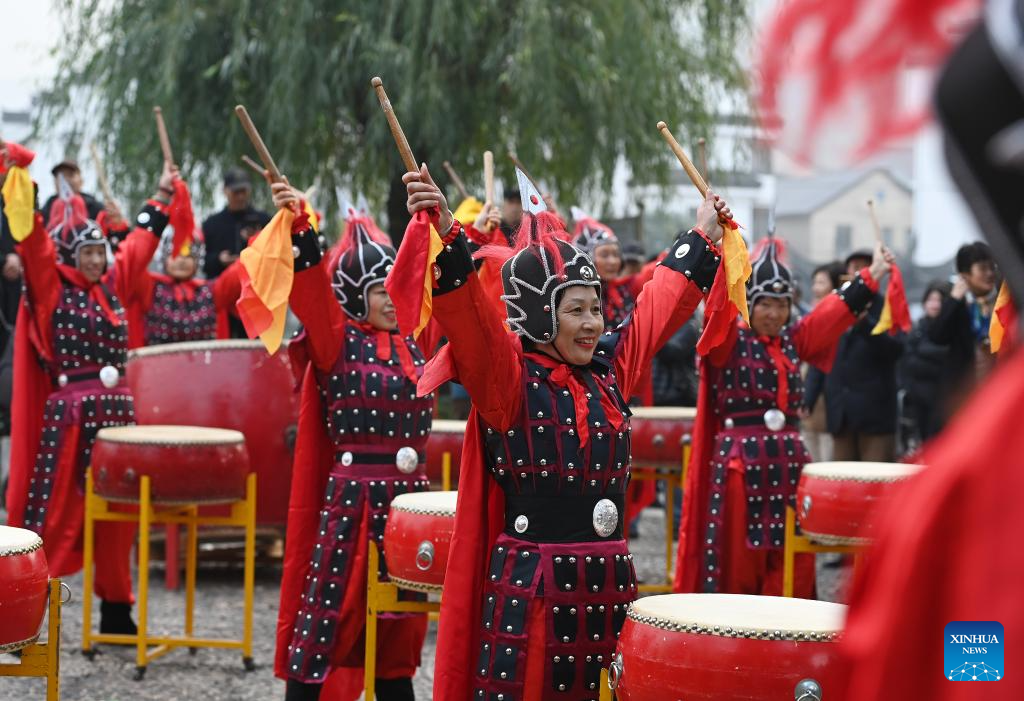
(945, 553)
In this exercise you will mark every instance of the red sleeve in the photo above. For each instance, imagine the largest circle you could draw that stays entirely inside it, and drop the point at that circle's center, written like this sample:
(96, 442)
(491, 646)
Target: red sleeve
(817, 335)
(719, 355)
(227, 288)
(430, 338)
(42, 282)
(131, 265)
(486, 357)
(313, 302)
(664, 304)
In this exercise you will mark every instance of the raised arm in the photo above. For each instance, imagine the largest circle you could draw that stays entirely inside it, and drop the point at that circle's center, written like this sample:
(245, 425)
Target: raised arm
(485, 355)
(42, 282)
(678, 285)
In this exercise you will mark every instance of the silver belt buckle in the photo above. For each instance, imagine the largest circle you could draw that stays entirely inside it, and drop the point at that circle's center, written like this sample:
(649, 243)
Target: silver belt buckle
(774, 420)
(407, 460)
(606, 517)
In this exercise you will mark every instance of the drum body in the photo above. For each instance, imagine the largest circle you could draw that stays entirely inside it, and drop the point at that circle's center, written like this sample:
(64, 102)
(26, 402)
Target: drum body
(446, 436)
(24, 580)
(727, 647)
(185, 464)
(659, 434)
(418, 537)
(225, 384)
(836, 500)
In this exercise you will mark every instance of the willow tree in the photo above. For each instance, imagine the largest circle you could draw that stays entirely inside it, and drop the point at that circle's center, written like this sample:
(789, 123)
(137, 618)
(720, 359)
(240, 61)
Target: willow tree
(570, 85)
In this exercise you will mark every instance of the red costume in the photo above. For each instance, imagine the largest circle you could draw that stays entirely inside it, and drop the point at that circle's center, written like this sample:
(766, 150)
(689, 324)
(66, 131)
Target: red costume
(71, 341)
(747, 449)
(539, 575)
(362, 434)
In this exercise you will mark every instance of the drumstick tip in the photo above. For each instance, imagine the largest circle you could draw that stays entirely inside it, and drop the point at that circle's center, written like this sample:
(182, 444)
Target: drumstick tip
(156, 109)
(662, 126)
(376, 82)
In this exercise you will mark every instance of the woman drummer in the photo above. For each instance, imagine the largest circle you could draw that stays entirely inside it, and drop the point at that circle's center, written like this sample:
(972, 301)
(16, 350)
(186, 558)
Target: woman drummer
(71, 341)
(539, 574)
(748, 452)
(362, 434)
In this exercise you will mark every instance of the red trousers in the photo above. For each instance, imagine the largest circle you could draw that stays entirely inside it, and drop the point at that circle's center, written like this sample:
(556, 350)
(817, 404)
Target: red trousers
(746, 570)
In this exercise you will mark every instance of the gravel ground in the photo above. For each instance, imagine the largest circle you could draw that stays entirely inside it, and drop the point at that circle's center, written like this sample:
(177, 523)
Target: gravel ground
(218, 675)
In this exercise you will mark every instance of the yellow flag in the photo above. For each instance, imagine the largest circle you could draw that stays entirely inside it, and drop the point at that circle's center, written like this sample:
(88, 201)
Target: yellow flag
(468, 210)
(269, 266)
(434, 247)
(885, 320)
(996, 330)
(19, 202)
(737, 268)
(314, 220)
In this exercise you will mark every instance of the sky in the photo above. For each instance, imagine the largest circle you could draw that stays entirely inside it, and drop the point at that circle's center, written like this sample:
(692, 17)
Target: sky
(25, 53)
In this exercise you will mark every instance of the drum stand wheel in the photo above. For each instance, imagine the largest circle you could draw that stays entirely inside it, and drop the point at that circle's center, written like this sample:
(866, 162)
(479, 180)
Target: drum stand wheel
(43, 659)
(148, 646)
(382, 597)
(798, 543)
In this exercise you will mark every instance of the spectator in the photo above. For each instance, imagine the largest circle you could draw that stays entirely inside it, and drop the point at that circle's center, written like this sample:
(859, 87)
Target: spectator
(228, 231)
(674, 369)
(73, 175)
(824, 279)
(921, 372)
(962, 324)
(860, 392)
(632, 258)
(511, 213)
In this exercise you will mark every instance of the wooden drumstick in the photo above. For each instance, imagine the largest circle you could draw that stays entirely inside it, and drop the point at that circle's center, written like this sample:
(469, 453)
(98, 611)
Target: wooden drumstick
(695, 177)
(101, 175)
(257, 142)
(161, 131)
(874, 222)
(396, 129)
(701, 143)
(456, 180)
(253, 164)
(518, 164)
(488, 177)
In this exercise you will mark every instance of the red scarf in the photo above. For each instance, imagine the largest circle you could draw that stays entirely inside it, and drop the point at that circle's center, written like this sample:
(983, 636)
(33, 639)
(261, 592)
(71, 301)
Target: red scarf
(782, 364)
(184, 290)
(94, 289)
(568, 376)
(382, 338)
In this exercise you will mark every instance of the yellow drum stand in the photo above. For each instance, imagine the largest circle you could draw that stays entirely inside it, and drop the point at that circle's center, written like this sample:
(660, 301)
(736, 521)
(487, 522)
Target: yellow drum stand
(382, 597)
(43, 659)
(672, 479)
(243, 514)
(798, 543)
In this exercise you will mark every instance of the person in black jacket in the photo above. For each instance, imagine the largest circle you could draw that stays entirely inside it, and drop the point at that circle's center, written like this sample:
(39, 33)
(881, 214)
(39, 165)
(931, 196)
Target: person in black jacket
(860, 391)
(228, 231)
(921, 370)
(963, 325)
(674, 368)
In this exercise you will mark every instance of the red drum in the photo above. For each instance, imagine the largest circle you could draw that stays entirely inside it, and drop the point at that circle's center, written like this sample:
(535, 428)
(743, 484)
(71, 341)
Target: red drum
(24, 580)
(659, 434)
(225, 384)
(445, 437)
(185, 464)
(417, 539)
(727, 647)
(836, 500)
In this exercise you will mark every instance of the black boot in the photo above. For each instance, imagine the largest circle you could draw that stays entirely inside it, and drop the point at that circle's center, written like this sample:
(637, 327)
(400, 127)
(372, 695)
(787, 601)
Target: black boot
(395, 689)
(300, 691)
(116, 617)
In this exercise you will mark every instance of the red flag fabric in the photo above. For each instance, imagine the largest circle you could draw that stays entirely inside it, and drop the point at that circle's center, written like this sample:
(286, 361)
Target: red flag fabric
(17, 155)
(409, 282)
(181, 217)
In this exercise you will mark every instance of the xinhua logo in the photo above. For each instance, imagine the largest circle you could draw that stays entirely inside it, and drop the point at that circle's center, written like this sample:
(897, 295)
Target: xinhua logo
(974, 651)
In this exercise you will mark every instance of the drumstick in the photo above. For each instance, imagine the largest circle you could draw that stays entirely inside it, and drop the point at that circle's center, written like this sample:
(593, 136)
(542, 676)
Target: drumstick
(396, 129)
(456, 180)
(518, 164)
(254, 165)
(257, 142)
(161, 132)
(695, 177)
(874, 222)
(488, 177)
(100, 173)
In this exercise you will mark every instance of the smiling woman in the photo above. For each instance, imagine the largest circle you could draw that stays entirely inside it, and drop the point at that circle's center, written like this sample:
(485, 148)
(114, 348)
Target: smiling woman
(546, 461)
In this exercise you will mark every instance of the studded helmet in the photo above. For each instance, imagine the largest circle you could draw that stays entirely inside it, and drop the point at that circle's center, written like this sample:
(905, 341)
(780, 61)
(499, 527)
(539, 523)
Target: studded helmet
(589, 233)
(69, 226)
(195, 248)
(361, 259)
(769, 276)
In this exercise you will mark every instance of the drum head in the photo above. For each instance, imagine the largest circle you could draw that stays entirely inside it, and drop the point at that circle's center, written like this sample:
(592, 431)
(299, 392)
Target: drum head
(16, 541)
(170, 435)
(740, 615)
(195, 346)
(435, 503)
(448, 426)
(861, 471)
(682, 413)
